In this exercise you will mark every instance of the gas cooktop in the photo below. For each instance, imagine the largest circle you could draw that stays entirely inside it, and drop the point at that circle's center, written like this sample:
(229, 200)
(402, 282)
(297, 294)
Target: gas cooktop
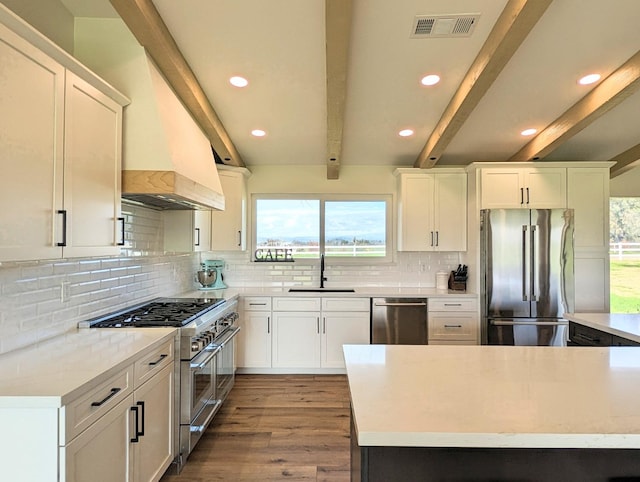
(174, 312)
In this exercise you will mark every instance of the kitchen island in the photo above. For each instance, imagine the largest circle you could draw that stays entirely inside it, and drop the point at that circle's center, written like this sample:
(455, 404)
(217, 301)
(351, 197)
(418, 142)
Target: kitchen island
(499, 413)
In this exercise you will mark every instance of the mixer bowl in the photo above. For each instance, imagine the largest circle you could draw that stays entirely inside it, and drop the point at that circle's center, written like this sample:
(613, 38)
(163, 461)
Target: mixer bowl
(207, 277)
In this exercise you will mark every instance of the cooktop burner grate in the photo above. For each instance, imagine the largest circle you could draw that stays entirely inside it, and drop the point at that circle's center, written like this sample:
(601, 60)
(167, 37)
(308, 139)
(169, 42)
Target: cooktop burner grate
(161, 312)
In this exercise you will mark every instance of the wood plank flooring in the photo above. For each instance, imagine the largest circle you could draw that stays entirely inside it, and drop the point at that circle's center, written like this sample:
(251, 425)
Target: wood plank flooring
(276, 427)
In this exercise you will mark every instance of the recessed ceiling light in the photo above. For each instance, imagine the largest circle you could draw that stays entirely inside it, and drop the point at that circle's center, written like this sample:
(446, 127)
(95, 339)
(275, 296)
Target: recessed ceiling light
(405, 132)
(239, 81)
(431, 79)
(258, 133)
(589, 79)
(529, 132)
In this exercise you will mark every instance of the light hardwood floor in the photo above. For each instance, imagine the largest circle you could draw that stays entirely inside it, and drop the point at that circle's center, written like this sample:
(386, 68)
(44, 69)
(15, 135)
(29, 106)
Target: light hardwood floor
(276, 427)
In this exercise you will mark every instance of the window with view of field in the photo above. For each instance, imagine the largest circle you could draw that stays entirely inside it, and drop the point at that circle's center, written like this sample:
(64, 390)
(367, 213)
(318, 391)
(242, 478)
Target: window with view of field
(624, 277)
(344, 228)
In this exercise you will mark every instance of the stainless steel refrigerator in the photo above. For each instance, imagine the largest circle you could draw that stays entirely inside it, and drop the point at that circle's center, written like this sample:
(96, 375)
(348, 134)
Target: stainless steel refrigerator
(527, 280)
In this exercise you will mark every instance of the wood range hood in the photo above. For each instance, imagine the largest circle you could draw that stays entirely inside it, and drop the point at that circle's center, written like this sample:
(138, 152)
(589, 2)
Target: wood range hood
(167, 161)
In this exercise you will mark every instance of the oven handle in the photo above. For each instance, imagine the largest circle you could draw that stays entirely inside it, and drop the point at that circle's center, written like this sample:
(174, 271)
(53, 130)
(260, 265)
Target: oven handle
(228, 335)
(210, 351)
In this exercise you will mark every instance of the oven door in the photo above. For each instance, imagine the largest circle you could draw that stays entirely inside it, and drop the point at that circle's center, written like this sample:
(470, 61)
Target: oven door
(198, 382)
(226, 363)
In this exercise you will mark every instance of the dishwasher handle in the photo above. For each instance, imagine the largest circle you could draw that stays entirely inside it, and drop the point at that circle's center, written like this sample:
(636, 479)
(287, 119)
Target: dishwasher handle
(406, 303)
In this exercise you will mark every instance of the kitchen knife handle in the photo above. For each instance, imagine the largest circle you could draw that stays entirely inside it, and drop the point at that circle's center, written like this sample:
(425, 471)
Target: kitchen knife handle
(64, 227)
(121, 243)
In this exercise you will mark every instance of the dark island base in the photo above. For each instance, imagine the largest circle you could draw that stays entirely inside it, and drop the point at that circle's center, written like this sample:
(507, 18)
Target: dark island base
(424, 464)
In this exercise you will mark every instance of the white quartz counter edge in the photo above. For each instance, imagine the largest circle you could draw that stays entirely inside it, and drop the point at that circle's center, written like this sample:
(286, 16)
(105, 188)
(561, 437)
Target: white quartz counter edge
(626, 325)
(53, 372)
(494, 396)
(364, 292)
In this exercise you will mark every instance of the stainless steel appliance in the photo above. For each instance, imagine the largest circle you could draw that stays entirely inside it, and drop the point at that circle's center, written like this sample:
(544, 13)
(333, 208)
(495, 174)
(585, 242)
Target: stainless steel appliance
(399, 321)
(206, 352)
(527, 280)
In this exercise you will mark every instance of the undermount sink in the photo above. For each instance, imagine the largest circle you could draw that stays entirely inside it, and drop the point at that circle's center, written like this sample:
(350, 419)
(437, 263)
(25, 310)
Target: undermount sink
(321, 290)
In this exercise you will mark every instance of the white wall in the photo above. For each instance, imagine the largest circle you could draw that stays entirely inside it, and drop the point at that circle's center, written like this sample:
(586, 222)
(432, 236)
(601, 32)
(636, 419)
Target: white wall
(626, 185)
(406, 270)
(50, 17)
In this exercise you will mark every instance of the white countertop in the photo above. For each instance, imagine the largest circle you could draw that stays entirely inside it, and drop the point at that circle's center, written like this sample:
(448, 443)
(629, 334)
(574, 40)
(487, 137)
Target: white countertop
(366, 292)
(495, 396)
(626, 325)
(49, 373)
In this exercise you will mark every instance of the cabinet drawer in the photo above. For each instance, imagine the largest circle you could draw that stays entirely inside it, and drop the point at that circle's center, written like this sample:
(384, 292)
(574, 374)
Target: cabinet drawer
(93, 404)
(296, 304)
(452, 326)
(587, 336)
(620, 341)
(256, 303)
(452, 304)
(153, 362)
(345, 304)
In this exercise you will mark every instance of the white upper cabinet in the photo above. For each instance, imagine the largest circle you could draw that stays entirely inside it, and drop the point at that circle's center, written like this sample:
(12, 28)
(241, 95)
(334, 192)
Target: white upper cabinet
(187, 231)
(61, 155)
(229, 227)
(524, 187)
(432, 210)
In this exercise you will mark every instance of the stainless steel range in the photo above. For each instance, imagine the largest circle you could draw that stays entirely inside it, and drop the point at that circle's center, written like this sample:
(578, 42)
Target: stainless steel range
(206, 351)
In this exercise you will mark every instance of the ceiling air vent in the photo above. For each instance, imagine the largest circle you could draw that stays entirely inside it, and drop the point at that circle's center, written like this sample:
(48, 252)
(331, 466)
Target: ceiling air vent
(439, 26)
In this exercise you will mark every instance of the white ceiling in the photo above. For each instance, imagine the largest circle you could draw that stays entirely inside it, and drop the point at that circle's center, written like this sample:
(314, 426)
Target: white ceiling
(279, 46)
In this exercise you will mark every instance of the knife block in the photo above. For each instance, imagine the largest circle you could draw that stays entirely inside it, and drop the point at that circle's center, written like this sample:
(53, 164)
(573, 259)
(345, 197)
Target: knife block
(456, 283)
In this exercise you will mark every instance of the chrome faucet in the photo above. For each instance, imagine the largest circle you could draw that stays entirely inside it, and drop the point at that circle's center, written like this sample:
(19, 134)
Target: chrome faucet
(322, 277)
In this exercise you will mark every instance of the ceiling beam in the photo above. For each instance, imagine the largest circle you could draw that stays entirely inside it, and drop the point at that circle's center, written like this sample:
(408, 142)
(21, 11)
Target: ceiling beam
(512, 27)
(625, 161)
(337, 34)
(609, 93)
(144, 21)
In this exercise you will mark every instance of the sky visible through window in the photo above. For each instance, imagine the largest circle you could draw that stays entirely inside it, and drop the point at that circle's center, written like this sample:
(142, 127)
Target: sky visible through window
(296, 223)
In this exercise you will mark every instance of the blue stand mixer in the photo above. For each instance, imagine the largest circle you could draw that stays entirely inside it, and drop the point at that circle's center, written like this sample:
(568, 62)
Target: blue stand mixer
(210, 276)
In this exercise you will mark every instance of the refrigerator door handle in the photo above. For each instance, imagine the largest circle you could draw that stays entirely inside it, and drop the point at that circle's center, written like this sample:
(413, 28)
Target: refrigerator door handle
(533, 266)
(525, 293)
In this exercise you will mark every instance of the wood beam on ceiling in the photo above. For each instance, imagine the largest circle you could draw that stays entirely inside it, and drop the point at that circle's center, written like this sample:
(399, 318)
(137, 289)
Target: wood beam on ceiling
(338, 15)
(625, 161)
(609, 93)
(146, 24)
(514, 24)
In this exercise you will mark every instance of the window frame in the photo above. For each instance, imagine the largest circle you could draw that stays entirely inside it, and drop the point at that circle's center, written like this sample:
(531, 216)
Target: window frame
(323, 198)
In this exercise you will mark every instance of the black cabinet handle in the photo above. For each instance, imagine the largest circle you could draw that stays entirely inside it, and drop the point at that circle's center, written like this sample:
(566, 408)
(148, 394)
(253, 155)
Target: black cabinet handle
(521, 196)
(527, 195)
(135, 437)
(437, 238)
(197, 236)
(162, 357)
(431, 238)
(239, 238)
(64, 227)
(112, 394)
(141, 432)
(121, 243)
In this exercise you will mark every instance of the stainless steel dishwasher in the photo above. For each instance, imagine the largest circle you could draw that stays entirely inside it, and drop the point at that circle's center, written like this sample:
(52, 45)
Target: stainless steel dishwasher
(399, 321)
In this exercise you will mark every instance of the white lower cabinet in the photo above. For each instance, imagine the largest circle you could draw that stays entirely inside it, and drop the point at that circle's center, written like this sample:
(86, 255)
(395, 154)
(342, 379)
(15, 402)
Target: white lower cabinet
(453, 321)
(120, 428)
(300, 334)
(254, 338)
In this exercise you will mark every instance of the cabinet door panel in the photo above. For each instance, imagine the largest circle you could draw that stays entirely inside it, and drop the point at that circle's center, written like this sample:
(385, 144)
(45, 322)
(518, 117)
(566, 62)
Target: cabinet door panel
(296, 339)
(416, 214)
(153, 453)
(229, 226)
(93, 127)
(342, 329)
(547, 188)
(254, 340)
(501, 188)
(31, 150)
(101, 453)
(450, 212)
(588, 196)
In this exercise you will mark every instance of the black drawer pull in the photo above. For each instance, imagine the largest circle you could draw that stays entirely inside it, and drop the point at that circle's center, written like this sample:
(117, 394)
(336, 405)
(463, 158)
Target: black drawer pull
(112, 394)
(153, 363)
(453, 326)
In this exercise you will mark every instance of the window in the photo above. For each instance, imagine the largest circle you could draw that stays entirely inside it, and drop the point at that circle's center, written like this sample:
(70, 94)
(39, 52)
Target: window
(303, 227)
